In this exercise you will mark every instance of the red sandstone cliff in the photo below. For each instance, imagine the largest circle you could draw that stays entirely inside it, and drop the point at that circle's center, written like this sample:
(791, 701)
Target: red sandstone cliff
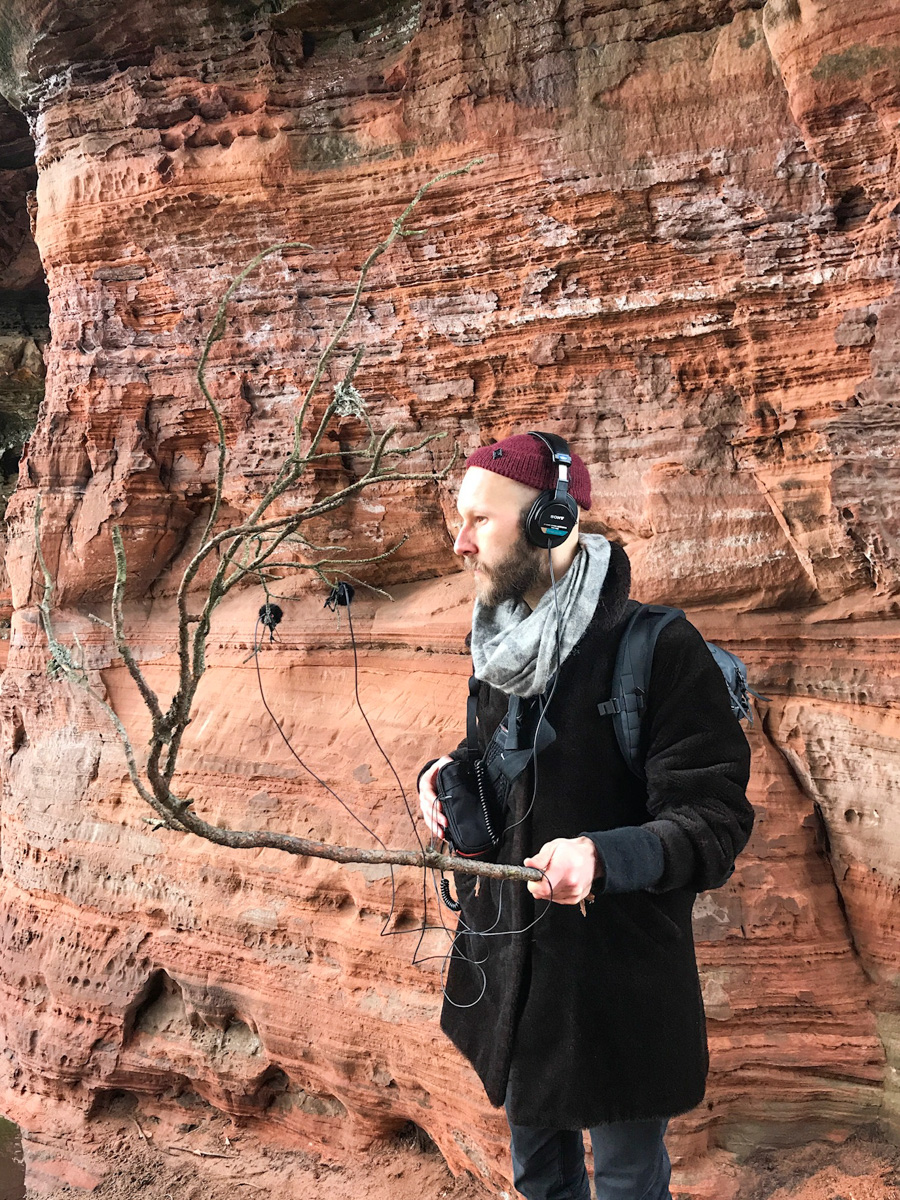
(681, 252)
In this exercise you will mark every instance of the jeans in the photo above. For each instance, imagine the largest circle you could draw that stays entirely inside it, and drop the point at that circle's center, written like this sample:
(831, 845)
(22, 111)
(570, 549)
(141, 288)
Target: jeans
(630, 1162)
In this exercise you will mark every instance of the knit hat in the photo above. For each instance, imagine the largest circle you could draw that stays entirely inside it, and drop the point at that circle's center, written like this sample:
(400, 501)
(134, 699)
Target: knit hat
(524, 458)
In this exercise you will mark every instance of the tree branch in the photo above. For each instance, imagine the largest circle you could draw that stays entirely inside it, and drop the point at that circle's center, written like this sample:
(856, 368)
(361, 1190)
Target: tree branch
(249, 549)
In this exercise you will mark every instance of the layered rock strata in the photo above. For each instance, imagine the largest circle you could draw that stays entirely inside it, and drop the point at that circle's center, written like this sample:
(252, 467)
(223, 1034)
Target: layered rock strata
(679, 251)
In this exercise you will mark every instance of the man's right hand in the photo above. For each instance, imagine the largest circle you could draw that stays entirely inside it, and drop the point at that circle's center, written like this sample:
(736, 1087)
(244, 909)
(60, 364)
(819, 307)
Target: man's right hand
(432, 812)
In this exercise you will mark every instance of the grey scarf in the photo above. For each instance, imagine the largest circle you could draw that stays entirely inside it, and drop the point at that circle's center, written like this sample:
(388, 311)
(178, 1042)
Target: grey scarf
(514, 648)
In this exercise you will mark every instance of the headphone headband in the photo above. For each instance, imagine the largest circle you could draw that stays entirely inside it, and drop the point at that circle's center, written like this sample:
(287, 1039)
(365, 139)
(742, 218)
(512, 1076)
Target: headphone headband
(562, 458)
(557, 446)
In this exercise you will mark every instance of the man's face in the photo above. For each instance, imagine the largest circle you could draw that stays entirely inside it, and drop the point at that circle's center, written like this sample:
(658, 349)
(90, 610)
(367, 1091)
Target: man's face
(492, 539)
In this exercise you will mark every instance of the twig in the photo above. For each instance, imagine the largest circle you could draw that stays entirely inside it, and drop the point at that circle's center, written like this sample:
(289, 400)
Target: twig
(202, 1153)
(145, 1136)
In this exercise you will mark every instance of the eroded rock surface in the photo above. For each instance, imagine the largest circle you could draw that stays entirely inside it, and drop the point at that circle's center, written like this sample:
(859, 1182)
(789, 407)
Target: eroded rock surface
(679, 251)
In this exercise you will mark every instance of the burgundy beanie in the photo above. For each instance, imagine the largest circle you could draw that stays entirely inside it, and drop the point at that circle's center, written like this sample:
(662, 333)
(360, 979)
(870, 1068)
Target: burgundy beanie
(524, 458)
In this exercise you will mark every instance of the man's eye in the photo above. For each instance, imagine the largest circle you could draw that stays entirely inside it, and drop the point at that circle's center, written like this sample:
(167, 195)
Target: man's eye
(480, 520)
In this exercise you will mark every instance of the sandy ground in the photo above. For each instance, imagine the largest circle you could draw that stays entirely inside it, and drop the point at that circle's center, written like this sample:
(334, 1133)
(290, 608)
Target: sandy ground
(863, 1168)
(137, 1168)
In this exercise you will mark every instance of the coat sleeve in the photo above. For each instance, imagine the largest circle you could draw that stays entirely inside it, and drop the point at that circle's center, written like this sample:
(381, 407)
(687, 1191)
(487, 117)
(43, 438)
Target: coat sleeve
(698, 765)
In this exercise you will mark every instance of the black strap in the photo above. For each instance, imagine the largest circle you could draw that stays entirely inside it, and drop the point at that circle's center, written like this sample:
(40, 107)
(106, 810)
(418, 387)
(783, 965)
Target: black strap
(631, 678)
(513, 719)
(472, 719)
(633, 702)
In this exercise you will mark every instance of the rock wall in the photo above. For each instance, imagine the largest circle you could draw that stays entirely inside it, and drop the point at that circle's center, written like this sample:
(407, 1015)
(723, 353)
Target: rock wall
(679, 251)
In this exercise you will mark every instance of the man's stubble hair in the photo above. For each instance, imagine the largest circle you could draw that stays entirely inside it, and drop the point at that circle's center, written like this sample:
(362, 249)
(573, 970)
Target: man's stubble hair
(523, 568)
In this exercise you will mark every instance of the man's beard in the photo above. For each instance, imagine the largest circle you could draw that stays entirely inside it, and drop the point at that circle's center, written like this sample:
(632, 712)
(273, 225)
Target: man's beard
(523, 569)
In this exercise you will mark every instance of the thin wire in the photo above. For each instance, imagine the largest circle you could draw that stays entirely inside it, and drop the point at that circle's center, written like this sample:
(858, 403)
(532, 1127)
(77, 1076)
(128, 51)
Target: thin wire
(287, 742)
(321, 782)
(409, 811)
(384, 931)
(462, 928)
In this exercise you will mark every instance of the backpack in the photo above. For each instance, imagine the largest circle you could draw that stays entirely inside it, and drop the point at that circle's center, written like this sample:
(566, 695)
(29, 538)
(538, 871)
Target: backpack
(631, 680)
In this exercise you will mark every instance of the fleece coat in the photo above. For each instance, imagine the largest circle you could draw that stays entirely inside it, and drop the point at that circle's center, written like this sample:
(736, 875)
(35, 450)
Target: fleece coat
(587, 1019)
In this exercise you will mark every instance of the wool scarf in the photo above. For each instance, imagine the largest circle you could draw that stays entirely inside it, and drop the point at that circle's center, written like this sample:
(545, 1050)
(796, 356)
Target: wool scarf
(514, 648)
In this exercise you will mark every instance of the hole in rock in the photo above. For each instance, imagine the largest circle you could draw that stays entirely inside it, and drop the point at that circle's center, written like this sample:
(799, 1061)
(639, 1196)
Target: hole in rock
(157, 1008)
(277, 1093)
(852, 208)
(192, 1101)
(273, 1084)
(181, 1092)
(113, 1102)
(416, 1138)
(18, 734)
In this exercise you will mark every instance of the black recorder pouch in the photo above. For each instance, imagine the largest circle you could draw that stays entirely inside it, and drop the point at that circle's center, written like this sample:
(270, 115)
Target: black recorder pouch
(474, 790)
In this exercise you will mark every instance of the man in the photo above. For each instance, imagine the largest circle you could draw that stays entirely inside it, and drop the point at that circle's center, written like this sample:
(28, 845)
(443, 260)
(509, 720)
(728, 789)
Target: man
(577, 1000)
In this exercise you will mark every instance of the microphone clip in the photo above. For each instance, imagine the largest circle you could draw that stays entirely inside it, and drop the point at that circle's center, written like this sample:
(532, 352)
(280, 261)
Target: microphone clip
(269, 616)
(339, 596)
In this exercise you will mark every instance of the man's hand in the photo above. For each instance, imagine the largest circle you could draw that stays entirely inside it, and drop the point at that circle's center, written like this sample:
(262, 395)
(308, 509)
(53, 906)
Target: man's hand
(428, 801)
(571, 866)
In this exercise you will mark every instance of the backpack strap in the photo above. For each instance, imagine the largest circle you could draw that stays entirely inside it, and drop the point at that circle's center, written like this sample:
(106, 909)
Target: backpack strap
(631, 679)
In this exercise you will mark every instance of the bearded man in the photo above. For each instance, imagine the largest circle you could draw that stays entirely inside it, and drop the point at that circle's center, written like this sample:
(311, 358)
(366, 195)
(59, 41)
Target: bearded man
(577, 999)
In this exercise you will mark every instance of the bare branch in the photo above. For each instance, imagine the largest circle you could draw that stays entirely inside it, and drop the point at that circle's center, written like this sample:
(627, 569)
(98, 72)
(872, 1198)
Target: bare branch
(238, 839)
(216, 333)
(148, 695)
(261, 561)
(76, 673)
(375, 254)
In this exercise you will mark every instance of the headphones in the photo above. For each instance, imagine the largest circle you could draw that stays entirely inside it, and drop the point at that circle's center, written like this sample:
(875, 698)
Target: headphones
(554, 513)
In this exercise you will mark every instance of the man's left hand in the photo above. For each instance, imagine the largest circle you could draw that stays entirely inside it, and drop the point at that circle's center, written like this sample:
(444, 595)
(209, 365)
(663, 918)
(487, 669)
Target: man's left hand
(571, 865)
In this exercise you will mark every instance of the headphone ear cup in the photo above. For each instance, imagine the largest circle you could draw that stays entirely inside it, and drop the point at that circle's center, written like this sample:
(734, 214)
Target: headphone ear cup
(533, 530)
(550, 520)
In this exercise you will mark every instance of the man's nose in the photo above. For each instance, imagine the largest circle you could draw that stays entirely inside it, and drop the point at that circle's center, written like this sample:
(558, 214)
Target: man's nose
(464, 543)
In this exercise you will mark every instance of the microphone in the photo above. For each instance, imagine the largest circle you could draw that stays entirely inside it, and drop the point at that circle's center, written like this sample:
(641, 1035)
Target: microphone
(340, 595)
(269, 616)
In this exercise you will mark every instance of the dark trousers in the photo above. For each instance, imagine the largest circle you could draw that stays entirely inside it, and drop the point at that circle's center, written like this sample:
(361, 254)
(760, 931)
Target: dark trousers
(630, 1162)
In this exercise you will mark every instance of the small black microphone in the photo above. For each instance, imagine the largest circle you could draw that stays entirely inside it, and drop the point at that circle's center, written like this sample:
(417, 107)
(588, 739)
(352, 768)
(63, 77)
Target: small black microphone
(341, 594)
(269, 616)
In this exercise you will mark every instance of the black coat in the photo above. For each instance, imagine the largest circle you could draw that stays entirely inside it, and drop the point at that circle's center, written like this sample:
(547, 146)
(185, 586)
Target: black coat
(598, 1018)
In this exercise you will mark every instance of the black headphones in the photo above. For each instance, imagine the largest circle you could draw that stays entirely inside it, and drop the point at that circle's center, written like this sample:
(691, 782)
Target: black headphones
(554, 513)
